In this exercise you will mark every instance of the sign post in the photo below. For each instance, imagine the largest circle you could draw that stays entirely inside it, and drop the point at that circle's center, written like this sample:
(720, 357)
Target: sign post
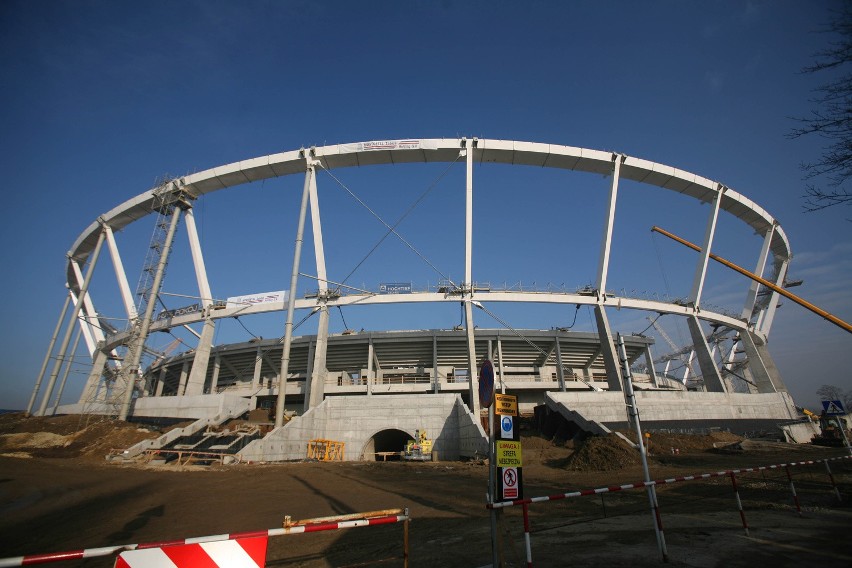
(486, 400)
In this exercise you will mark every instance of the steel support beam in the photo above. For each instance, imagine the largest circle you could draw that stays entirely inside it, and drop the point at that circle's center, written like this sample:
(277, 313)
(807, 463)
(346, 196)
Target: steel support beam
(75, 313)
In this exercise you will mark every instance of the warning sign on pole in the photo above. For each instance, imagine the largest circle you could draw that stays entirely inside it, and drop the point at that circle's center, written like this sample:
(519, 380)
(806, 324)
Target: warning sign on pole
(510, 484)
(509, 454)
(507, 428)
(506, 405)
(832, 408)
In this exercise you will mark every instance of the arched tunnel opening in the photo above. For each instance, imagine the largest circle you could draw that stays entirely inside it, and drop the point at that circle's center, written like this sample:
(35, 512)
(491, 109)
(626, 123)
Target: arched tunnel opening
(386, 445)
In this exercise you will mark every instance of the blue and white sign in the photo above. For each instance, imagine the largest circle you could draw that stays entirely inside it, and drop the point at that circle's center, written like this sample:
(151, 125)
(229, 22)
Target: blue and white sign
(395, 288)
(833, 408)
(507, 428)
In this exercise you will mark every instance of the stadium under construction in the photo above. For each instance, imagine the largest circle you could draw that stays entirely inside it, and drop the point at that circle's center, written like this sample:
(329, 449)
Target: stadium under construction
(372, 389)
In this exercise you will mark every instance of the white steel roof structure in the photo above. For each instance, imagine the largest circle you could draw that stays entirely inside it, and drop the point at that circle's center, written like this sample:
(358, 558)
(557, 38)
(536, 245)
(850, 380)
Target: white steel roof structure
(751, 328)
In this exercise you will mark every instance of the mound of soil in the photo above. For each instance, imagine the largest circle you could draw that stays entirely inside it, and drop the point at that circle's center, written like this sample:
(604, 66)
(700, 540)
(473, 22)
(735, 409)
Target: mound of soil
(602, 453)
(67, 436)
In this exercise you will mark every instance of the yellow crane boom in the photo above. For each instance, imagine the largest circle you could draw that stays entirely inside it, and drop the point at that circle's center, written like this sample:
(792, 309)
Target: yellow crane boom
(802, 302)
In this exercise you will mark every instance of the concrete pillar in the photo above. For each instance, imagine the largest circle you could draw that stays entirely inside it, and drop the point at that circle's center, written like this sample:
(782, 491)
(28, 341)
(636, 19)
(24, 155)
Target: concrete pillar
(560, 371)
(610, 357)
(184, 374)
(255, 378)
(370, 371)
(161, 382)
(214, 380)
(436, 381)
(709, 372)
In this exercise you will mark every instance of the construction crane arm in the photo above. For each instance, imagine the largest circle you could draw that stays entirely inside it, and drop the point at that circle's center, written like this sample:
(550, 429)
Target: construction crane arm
(790, 296)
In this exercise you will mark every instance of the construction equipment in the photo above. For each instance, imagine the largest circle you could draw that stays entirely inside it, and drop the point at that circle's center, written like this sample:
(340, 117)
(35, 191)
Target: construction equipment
(830, 432)
(419, 449)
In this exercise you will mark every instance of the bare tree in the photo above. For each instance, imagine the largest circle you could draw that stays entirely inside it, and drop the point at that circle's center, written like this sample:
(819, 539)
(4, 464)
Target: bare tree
(832, 392)
(832, 118)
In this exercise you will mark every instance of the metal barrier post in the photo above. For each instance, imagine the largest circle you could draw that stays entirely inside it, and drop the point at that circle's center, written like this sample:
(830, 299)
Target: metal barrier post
(833, 484)
(527, 534)
(405, 539)
(739, 503)
(793, 490)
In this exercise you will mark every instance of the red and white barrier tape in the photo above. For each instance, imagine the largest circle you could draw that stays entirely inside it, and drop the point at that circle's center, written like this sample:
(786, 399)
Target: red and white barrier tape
(642, 484)
(109, 550)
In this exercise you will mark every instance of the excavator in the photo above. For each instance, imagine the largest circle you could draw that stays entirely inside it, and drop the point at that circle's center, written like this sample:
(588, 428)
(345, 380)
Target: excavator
(419, 449)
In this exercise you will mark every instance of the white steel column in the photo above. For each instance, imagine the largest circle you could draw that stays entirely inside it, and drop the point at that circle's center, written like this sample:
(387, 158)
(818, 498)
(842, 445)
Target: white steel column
(649, 362)
(701, 268)
(751, 297)
(201, 360)
(603, 265)
(766, 324)
(93, 333)
(67, 371)
(85, 326)
(75, 313)
(120, 275)
(319, 372)
(50, 347)
(291, 301)
(467, 285)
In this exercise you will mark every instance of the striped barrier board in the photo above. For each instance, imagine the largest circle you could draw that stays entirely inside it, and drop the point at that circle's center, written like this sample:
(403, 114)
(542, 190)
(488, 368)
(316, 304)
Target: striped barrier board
(642, 484)
(236, 553)
(308, 527)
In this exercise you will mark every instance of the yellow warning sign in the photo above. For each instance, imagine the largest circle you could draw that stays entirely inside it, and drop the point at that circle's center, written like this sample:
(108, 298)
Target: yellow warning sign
(506, 404)
(509, 454)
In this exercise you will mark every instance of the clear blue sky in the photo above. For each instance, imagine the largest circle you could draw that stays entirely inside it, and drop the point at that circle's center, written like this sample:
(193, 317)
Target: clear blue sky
(102, 98)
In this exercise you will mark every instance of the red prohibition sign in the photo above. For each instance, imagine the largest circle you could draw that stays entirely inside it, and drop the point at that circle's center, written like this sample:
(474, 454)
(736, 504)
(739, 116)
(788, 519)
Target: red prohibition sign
(509, 477)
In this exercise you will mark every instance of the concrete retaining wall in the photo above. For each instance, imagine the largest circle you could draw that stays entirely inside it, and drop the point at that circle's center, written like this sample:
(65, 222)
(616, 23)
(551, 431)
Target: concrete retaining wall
(355, 420)
(680, 409)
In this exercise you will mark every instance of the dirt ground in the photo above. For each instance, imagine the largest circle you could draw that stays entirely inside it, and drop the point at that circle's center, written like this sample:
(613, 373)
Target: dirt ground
(57, 493)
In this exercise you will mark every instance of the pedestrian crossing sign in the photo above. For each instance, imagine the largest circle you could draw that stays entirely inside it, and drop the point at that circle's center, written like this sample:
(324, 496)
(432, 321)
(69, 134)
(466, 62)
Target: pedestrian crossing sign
(833, 408)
